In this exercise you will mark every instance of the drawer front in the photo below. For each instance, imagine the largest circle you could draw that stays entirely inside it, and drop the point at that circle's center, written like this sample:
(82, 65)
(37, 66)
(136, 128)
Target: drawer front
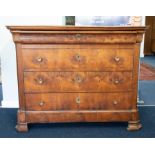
(77, 81)
(78, 101)
(75, 37)
(77, 59)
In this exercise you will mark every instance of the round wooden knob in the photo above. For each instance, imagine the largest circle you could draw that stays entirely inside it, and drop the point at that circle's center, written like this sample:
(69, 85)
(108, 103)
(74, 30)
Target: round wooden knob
(116, 81)
(117, 59)
(115, 102)
(40, 81)
(41, 103)
(39, 59)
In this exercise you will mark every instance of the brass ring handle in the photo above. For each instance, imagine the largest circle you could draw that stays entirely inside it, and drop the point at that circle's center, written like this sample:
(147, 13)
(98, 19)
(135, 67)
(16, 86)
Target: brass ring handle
(115, 102)
(39, 59)
(41, 103)
(78, 100)
(117, 59)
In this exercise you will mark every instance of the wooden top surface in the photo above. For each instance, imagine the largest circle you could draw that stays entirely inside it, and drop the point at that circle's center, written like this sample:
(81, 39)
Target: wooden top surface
(76, 28)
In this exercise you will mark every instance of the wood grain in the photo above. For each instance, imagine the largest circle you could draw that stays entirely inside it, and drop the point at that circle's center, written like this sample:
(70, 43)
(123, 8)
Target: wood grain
(87, 101)
(77, 81)
(83, 59)
(77, 74)
(79, 116)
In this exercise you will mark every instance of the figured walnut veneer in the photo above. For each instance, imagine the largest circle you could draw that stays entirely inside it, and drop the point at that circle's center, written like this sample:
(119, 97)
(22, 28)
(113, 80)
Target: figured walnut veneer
(77, 74)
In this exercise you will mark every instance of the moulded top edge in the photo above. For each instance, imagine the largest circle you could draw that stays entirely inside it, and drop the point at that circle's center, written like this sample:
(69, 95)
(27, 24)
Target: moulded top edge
(76, 28)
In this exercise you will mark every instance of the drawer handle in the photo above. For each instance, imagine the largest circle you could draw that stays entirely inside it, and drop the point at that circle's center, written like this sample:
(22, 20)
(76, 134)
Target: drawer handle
(117, 59)
(78, 79)
(78, 100)
(116, 81)
(41, 104)
(115, 102)
(40, 81)
(39, 59)
(78, 57)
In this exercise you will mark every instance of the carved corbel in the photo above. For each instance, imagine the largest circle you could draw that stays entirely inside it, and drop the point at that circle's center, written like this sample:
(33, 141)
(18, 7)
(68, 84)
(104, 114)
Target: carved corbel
(16, 37)
(139, 37)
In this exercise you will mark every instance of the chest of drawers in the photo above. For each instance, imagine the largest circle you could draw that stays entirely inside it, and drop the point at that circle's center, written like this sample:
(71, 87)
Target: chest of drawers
(77, 74)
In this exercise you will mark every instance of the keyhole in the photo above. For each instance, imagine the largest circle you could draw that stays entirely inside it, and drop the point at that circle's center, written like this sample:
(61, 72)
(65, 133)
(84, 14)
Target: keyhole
(78, 100)
(78, 57)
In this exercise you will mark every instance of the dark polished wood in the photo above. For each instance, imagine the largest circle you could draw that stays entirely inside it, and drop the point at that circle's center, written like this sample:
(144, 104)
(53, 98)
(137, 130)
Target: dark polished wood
(149, 42)
(77, 74)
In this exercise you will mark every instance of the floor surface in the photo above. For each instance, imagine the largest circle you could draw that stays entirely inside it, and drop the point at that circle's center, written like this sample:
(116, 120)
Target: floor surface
(78, 130)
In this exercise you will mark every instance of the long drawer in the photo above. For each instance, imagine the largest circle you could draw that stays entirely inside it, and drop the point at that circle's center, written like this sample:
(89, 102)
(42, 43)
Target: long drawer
(78, 38)
(77, 81)
(84, 59)
(78, 101)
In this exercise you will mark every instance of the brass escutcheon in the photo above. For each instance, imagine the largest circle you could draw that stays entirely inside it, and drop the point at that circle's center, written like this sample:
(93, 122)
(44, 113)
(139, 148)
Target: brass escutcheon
(78, 57)
(78, 79)
(78, 36)
(78, 100)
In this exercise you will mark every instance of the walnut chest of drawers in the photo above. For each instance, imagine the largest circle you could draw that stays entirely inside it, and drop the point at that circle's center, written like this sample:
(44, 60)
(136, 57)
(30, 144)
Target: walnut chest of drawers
(77, 74)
